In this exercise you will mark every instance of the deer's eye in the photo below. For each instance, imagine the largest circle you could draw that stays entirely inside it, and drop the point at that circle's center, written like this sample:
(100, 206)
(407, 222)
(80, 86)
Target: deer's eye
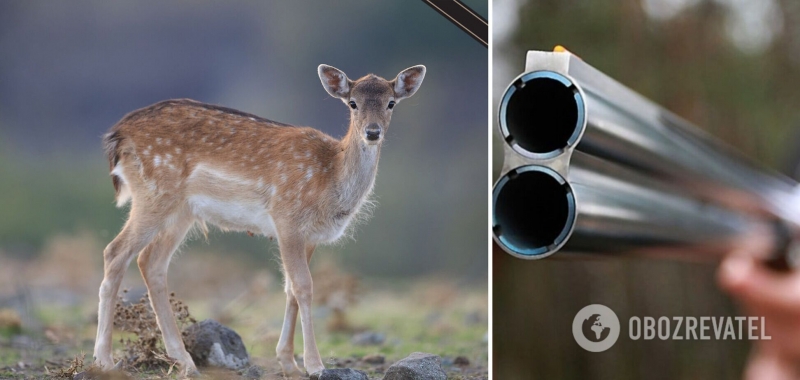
(353, 104)
(391, 104)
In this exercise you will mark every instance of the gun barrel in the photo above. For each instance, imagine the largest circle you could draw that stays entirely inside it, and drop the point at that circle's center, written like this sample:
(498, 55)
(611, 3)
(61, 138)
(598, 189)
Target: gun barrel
(607, 209)
(542, 114)
(592, 166)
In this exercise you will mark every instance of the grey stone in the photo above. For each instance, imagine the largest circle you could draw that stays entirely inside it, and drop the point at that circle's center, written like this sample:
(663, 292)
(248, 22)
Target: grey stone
(368, 338)
(417, 366)
(212, 344)
(339, 374)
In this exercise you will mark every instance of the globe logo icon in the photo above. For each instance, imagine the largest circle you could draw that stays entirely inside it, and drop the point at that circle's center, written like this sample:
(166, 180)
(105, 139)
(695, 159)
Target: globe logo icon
(596, 328)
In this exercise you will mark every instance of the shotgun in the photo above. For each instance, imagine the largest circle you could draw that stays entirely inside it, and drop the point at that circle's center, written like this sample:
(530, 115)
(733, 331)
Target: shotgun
(593, 168)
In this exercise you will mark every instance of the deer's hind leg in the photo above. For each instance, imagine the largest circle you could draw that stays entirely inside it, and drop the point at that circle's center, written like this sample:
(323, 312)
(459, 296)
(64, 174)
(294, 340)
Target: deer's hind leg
(153, 263)
(138, 232)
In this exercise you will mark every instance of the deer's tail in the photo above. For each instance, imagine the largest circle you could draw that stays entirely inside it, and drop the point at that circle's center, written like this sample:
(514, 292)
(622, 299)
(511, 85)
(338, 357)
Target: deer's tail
(111, 145)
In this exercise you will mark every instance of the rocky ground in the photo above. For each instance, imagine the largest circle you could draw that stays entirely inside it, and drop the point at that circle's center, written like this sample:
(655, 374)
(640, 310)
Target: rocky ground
(384, 330)
(48, 316)
(53, 364)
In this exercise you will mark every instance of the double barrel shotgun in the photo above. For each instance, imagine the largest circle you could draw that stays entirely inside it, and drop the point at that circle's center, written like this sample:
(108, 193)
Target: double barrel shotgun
(593, 168)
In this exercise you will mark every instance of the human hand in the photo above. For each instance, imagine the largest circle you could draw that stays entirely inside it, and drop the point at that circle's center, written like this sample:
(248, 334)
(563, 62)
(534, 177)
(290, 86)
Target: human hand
(775, 296)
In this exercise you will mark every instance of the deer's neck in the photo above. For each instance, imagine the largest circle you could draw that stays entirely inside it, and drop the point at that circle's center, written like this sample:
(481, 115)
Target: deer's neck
(356, 167)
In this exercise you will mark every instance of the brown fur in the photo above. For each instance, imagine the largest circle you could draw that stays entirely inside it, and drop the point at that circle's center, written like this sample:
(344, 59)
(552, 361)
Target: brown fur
(182, 162)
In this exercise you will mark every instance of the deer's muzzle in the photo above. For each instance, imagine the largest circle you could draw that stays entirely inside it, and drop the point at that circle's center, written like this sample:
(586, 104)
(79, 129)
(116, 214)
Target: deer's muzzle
(373, 132)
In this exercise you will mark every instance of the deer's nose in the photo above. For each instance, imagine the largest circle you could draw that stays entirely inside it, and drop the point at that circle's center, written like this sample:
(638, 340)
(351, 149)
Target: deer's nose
(373, 132)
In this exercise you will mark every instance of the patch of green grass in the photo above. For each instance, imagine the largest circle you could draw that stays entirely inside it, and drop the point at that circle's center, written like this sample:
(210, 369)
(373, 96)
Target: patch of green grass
(9, 357)
(408, 325)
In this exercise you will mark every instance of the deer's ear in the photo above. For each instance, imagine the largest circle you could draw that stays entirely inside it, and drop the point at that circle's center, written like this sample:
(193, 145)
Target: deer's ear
(335, 81)
(408, 81)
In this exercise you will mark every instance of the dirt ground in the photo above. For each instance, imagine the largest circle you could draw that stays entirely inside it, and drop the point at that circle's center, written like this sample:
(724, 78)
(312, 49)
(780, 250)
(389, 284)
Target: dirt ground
(48, 314)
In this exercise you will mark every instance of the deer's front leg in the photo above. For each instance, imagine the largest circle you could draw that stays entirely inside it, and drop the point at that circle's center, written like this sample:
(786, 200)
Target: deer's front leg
(295, 265)
(285, 348)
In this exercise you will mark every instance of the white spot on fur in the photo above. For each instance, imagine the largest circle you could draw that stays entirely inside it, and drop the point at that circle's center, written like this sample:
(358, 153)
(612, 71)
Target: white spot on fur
(309, 173)
(158, 140)
(157, 161)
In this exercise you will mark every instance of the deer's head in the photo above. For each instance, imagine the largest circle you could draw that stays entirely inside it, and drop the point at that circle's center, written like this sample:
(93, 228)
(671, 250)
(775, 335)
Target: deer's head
(371, 99)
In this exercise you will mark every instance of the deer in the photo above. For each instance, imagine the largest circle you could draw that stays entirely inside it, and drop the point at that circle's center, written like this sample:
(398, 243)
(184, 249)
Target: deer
(183, 164)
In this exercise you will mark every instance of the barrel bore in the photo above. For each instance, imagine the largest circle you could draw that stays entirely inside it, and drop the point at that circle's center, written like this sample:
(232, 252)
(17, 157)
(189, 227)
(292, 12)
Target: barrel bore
(534, 211)
(541, 114)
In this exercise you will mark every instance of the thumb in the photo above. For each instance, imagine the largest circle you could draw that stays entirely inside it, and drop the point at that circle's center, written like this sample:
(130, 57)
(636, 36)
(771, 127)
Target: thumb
(744, 277)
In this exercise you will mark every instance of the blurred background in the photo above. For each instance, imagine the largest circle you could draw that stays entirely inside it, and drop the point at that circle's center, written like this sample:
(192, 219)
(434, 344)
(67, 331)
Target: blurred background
(69, 71)
(729, 66)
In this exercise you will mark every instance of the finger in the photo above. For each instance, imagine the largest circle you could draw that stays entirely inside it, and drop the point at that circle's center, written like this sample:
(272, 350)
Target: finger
(765, 364)
(757, 285)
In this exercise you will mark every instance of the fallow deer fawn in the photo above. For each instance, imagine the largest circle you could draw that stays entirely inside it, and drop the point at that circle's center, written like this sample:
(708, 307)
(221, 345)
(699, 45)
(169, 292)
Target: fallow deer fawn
(183, 163)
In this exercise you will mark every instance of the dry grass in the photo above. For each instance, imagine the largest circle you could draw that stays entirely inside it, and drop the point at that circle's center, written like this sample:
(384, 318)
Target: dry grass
(146, 350)
(74, 367)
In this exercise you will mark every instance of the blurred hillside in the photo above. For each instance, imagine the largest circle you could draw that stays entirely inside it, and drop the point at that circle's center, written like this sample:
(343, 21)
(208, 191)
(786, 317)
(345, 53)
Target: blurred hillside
(730, 67)
(71, 70)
